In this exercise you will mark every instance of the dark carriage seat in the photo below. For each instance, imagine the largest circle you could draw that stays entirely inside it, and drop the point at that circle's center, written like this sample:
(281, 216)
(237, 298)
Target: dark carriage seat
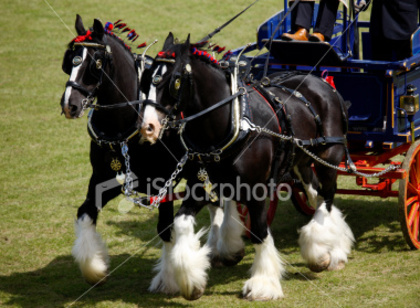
(306, 53)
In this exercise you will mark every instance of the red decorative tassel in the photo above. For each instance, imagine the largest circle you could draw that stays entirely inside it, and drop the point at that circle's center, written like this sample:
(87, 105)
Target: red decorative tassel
(82, 38)
(142, 45)
(120, 26)
(220, 49)
(126, 29)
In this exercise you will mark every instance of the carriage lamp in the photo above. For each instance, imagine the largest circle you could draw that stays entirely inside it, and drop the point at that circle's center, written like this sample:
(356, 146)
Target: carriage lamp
(410, 101)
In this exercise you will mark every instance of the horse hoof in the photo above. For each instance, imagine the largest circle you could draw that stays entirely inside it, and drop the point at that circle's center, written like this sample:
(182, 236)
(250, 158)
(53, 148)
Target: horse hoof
(218, 261)
(234, 259)
(195, 294)
(341, 265)
(321, 265)
(96, 280)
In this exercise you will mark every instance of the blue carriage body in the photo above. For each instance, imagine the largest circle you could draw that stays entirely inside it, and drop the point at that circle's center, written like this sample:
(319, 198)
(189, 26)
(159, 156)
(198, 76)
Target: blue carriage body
(374, 88)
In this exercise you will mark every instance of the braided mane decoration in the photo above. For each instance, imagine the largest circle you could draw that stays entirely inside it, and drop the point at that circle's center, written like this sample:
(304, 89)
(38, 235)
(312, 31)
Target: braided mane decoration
(109, 27)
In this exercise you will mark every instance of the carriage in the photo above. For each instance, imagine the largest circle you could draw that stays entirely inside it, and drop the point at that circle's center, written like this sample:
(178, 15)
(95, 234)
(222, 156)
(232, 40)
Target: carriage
(383, 119)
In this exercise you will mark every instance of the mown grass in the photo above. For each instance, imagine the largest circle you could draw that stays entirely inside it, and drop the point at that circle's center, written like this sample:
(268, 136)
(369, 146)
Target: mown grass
(45, 171)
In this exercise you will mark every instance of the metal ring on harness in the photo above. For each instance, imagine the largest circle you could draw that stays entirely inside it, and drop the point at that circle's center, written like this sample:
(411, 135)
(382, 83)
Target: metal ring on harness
(265, 81)
(144, 201)
(242, 90)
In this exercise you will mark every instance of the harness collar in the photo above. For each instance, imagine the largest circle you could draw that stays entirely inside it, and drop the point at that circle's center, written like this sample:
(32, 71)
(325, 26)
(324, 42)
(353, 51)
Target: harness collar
(101, 139)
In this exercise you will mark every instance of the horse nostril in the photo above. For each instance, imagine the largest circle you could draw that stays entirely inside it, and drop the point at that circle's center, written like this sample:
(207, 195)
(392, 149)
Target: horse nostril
(73, 108)
(150, 128)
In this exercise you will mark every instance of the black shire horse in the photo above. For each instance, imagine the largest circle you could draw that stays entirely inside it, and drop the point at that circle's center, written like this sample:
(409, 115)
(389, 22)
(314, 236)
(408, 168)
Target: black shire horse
(233, 133)
(100, 65)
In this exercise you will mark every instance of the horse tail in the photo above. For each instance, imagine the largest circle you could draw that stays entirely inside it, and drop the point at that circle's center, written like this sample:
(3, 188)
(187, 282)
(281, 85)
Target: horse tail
(344, 106)
(344, 114)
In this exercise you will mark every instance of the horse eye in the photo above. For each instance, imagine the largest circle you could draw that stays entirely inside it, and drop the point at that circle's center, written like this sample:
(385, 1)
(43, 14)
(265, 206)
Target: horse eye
(77, 60)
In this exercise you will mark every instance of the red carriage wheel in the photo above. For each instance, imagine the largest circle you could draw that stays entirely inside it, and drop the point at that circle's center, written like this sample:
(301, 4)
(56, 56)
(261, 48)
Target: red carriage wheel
(409, 197)
(300, 200)
(244, 214)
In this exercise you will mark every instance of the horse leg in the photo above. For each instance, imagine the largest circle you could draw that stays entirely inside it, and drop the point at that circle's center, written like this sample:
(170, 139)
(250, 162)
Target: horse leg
(216, 220)
(188, 261)
(267, 269)
(229, 250)
(164, 281)
(89, 250)
(327, 239)
(309, 181)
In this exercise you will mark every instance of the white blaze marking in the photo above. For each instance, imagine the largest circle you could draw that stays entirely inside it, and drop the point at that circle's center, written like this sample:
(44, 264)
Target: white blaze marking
(150, 114)
(73, 76)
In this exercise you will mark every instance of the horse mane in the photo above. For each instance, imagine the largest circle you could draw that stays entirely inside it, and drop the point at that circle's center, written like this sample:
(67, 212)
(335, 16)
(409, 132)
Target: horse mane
(109, 29)
(196, 50)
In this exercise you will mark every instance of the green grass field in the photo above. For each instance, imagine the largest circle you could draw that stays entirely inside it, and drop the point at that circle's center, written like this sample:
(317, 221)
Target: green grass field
(45, 172)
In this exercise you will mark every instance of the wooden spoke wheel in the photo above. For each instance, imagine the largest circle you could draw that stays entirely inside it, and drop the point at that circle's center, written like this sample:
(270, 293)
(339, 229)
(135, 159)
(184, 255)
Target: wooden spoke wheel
(409, 197)
(300, 200)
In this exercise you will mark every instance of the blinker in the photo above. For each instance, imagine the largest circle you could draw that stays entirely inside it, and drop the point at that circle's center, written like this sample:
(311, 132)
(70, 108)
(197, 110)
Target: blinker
(77, 60)
(157, 79)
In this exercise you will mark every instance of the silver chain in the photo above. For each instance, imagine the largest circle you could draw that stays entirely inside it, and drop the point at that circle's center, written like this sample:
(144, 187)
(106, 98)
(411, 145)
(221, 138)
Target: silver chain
(128, 187)
(132, 195)
(164, 190)
(317, 158)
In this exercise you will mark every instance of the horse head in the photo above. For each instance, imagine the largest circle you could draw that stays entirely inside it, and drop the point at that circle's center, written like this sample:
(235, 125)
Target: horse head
(91, 62)
(171, 84)
(165, 85)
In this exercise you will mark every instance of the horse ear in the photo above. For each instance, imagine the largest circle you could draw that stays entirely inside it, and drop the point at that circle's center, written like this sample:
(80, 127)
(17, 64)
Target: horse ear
(98, 28)
(169, 41)
(187, 45)
(80, 28)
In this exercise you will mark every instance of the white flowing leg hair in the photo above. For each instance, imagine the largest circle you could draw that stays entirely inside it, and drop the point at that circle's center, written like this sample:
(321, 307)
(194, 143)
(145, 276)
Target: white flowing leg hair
(230, 244)
(225, 236)
(326, 240)
(90, 251)
(266, 272)
(183, 264)
(164, 281)
(216, 220)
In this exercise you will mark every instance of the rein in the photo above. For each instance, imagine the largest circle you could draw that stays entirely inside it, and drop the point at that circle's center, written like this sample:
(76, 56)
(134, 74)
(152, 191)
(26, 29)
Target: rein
(223, 102)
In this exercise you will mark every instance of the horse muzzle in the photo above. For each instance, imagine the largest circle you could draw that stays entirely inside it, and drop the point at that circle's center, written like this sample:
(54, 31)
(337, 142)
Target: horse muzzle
(150, 122)
(71, 111)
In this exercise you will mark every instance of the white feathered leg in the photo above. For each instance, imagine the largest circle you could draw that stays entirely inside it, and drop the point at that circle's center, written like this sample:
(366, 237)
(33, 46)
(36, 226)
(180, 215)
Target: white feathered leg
(90, 251)
(216, 218)
(266, 272)
(164, 281)
(189, 261)
(230, 246)
(326, 240)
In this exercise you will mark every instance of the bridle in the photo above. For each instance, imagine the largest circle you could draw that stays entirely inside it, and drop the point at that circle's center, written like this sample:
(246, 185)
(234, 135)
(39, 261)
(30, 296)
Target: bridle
(180, 81)
(100, 66)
